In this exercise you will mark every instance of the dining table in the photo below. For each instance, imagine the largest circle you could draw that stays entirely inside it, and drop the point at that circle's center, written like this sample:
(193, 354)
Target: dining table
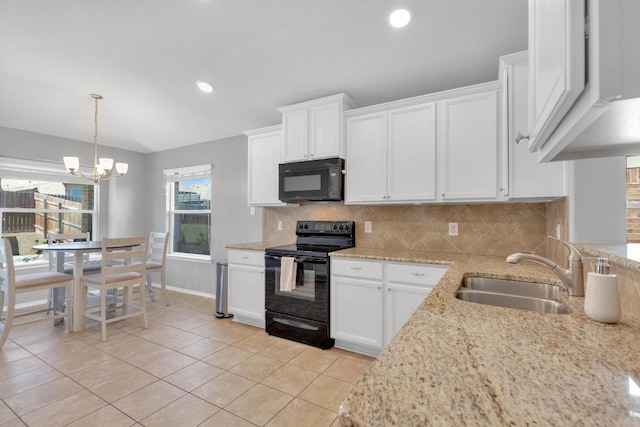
(79, 249)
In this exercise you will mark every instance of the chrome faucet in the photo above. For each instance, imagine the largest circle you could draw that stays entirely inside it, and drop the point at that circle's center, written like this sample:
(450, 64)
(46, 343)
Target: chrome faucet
(572, 279)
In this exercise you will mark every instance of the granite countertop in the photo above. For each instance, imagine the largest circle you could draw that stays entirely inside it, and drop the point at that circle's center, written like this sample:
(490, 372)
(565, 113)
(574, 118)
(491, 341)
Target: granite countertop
(460, 363)
(253, 246)
(625, 254)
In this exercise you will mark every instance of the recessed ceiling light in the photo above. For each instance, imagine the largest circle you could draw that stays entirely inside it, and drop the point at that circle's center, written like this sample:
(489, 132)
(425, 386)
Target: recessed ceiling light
(204, 86)
(400, 17)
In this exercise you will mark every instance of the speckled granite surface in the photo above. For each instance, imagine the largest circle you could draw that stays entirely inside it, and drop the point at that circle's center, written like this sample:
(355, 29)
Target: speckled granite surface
(460, 363)
(254, 246)
(626, 255)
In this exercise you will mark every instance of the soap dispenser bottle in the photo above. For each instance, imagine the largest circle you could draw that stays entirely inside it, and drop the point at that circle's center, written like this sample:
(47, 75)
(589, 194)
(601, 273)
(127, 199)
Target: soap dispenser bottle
(602, 299)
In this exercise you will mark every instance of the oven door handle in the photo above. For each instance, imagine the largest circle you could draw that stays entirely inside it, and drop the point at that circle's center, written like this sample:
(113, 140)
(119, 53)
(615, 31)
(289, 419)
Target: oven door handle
(299, 259)
(295, 324)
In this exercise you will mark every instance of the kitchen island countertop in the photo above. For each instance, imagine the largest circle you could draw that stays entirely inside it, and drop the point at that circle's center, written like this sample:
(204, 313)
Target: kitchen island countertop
(460, 363)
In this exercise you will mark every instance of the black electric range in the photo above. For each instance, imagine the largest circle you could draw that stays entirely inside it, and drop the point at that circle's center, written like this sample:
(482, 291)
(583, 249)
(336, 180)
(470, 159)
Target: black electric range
(297, 281)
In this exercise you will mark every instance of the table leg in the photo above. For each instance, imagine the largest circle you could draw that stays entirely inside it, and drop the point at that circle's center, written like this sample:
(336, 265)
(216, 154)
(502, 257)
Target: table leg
(58, 293)
(78, 316)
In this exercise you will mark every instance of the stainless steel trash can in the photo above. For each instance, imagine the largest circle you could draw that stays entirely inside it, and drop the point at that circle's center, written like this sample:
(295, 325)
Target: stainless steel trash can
(222, 289)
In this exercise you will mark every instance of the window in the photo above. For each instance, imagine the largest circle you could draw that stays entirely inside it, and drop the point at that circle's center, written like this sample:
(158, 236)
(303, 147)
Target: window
(38, 197)
(189, 209)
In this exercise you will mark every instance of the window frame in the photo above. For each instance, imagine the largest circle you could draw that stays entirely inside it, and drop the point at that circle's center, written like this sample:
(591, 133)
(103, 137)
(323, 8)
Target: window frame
(12, 168)
(180, 174)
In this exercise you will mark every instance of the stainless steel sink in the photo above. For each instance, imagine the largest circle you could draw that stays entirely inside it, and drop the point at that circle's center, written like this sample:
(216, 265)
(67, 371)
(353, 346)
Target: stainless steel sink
(531, 296)
(512, 287)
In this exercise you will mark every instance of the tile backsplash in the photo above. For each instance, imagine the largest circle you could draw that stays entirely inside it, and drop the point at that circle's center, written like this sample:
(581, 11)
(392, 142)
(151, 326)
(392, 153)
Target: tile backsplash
(490, 229)
(486, 229)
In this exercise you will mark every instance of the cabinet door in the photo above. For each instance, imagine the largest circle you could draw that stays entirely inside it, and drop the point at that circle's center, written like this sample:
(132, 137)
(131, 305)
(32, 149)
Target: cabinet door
(366, 163)
(246, 294)
(402, 301)
(527, 177)
(468, 143)
(264, 156)
(324, 131)
(557, 61)
(356, 311)
(294, 140)
(412, 153)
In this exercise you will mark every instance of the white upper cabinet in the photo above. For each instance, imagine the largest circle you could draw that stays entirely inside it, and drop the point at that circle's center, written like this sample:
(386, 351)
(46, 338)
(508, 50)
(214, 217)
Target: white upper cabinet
(391, 155)
(523, 177)
(556, 58)
(295, 140)
(264, 157)
(314, 129)
(366, 162)
(412, 153)
(585, 78)
(468, 147)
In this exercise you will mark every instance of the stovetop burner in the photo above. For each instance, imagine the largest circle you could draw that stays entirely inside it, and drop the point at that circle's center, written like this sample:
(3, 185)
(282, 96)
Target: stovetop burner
(318, 238)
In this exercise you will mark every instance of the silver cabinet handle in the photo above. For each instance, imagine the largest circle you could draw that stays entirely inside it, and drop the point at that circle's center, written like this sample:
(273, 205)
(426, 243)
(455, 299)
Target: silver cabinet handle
(418, 274)
(520, 137)
(356, 268)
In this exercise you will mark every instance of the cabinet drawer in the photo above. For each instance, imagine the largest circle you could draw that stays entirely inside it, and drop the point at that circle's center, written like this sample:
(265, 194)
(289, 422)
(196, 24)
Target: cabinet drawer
(255, 258)
(418, 274)
(360, 269)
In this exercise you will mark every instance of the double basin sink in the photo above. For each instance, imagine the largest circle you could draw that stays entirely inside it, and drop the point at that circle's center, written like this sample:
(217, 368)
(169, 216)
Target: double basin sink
(531, 296)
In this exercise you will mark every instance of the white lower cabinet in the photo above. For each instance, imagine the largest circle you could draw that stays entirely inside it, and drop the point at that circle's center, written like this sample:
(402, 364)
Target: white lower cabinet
(246, 286)
(357, 311)
(406, 286)
(372, 300)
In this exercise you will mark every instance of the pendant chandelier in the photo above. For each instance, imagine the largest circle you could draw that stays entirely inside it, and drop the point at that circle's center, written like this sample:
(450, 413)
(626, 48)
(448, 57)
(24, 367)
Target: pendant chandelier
(102, 166)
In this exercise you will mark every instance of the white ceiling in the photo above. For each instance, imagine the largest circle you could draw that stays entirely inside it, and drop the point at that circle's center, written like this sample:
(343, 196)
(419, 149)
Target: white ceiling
(144, 57)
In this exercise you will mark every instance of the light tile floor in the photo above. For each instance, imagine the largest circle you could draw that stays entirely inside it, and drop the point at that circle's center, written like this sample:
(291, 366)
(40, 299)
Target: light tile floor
(187, 369)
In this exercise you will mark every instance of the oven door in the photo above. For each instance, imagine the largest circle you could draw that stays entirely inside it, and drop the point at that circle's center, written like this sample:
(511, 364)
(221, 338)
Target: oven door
(306, 295)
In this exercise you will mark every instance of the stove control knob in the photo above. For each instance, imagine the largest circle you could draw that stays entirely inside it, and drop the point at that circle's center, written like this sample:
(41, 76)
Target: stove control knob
(341, 227)
(346, 227)
(335, 227)
(300, 226)
(306, 226)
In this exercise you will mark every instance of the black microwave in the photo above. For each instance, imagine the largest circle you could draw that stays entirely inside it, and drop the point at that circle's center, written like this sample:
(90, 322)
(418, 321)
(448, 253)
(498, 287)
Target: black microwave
(312, 180)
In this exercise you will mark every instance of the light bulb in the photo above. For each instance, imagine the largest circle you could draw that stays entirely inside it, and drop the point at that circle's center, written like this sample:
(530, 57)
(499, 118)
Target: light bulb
(204, 86)
(122, 168)
(71, 163)
(400, 17)
(106, 164)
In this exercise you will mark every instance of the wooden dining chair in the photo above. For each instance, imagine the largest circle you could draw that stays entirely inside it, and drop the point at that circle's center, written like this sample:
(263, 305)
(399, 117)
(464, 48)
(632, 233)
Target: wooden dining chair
(156, 262)
(123, 267)
(12, 285)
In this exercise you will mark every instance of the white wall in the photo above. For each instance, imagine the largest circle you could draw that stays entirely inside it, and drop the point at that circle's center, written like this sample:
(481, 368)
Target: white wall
(135, 204)
(122, 200)
(232, 221)
(597, 200)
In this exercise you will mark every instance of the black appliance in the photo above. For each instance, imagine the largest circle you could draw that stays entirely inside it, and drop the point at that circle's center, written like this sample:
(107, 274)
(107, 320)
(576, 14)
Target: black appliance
(298, 308)
(313, 180)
